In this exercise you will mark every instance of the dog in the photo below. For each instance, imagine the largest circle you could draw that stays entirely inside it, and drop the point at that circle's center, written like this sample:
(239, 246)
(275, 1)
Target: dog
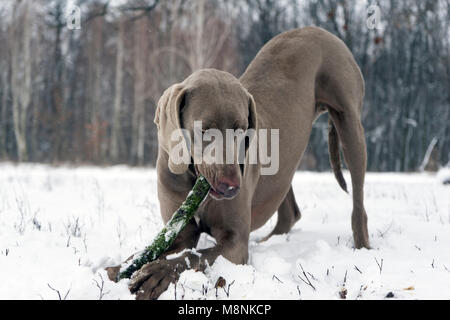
(295, 77)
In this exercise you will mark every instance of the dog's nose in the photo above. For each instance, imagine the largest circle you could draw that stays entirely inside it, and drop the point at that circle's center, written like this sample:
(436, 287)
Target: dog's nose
(227, 188)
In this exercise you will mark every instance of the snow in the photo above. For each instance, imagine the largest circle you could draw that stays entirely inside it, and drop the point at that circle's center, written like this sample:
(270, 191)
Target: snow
(443, 175)
(173, 229)
(182, 252)
(59, 227)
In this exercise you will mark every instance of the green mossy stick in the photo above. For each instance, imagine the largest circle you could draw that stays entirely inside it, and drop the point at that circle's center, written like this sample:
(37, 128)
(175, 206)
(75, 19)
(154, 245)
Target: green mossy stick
(168, 234)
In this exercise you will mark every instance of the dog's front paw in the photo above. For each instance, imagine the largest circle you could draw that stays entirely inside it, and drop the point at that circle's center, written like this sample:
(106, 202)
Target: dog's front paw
(154, 278)
(113, 273)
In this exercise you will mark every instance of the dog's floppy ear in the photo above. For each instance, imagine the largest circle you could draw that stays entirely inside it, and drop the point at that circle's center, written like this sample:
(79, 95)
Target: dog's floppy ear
(251, 146)
(167, 119)
(252, 115)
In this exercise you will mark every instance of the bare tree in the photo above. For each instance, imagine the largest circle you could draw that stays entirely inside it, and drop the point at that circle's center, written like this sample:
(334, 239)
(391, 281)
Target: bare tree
(21, 74)
(116, 130)
(90, 95)
(139, 96)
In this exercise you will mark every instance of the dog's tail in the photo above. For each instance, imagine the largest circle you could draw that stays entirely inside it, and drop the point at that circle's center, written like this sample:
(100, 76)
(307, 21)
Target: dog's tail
(333, 149)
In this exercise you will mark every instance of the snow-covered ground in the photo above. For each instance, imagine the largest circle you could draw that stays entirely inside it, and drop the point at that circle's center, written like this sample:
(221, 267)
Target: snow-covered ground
(59, 227)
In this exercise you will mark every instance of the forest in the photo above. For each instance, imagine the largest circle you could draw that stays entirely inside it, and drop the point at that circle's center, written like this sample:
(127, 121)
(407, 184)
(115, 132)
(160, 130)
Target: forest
(80, 79)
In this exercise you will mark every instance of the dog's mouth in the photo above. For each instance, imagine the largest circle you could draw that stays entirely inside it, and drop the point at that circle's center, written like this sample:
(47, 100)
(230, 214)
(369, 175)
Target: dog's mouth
(213, 192)
(216, 195)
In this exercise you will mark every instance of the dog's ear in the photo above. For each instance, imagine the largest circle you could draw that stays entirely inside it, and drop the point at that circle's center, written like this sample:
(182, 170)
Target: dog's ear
(251, 157)
(167, 119)
(252, 115)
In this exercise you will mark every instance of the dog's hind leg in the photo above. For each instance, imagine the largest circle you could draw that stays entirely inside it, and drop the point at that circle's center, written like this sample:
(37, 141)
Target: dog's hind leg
(288, 215)
(351, 133)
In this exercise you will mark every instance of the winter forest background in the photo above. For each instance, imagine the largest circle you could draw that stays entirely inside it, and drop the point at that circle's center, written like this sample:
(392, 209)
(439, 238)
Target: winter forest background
(89, 95)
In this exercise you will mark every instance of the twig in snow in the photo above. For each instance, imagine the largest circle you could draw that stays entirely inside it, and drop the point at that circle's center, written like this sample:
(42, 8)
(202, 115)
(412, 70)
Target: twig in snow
(275, 277)
(343, 291)
(74, 227)
(101, 287)
(85, 242)
(434, 202)
(254, 277)
(299, 292)
(175, 291)
(427, 217)
(228, 289)
(312, 276)
(357, 269)
(380, 264)
(204, 290)
(100, 201)
(307, 281)
(359, 295)
(37, 225)
(119, 232)
(59, 294)
(381, 234)
(432, 264)
(23, 210)
(184, 291)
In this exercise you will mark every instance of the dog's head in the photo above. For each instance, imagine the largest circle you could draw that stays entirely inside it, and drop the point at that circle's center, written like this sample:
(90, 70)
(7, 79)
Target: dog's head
(220, 102)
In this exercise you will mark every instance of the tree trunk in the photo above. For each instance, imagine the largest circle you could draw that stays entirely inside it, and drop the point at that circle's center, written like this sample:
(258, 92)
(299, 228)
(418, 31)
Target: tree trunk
(21, 86)
(3, 109)
(138, 121)
(116, 130)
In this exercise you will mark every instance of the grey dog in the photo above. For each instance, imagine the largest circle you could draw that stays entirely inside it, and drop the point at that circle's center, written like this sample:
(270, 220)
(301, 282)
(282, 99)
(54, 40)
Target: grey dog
(294, 78)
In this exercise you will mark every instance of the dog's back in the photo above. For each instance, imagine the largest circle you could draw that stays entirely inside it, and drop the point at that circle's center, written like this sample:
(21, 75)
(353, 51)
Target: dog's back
(294, 78)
